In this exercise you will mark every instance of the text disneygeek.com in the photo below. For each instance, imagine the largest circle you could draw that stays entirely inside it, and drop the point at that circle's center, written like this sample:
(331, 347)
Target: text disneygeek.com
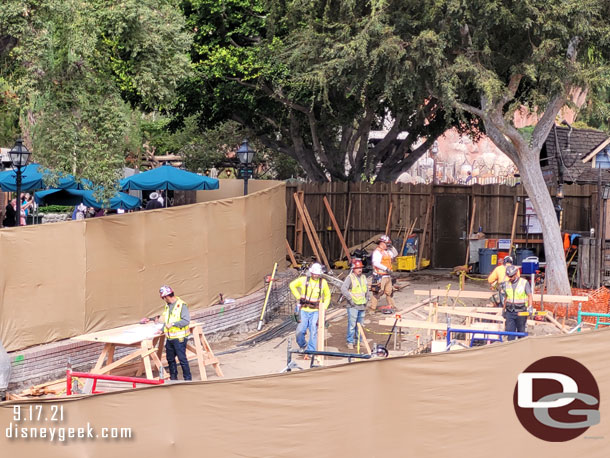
(42, 422)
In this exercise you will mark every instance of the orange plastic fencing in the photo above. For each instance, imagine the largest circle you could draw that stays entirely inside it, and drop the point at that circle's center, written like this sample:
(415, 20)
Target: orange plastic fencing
(598, 302)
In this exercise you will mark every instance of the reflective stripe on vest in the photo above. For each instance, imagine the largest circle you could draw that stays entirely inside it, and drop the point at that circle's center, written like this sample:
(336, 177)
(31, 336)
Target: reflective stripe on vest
(386, 261)
(174, 332)
(312, 290)
(358, 290)
(516, 296)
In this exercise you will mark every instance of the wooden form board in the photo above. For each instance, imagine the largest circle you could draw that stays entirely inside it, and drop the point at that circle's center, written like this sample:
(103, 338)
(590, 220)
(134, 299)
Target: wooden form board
(125, 335)
(486, 295)
(413, 324)
(458, 312)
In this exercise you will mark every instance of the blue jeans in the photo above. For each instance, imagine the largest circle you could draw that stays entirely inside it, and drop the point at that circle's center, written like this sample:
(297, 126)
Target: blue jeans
(173, 348)
(514, 323)
(309, 320)
(353, 316)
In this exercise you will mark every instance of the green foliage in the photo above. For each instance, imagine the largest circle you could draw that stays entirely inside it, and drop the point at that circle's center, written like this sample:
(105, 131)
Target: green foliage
(311, 79)
(56, 209)
(81, 71)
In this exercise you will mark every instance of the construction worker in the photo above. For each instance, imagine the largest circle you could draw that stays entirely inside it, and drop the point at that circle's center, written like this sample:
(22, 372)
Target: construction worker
(311, 292)
(518, 297)
(497, 279)
(382, 266)
(498, 276)
(356, 291)
(176, 318)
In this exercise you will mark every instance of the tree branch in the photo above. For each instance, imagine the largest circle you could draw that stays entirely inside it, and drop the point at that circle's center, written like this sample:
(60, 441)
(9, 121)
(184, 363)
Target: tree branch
(542, 129)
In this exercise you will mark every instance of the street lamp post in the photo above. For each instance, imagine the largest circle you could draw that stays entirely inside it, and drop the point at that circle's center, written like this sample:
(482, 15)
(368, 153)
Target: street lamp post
(245, 155)
(19, 159)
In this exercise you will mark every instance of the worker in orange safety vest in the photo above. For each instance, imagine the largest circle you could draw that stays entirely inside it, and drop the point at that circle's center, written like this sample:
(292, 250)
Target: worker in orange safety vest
(382, 266)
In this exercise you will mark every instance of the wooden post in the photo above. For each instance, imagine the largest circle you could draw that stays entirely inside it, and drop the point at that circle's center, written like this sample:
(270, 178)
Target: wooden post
(512, 230)
(389, 222)
(407, 235)
(321, 329)
(307, 229)
(314, 233)
(474, 210)
(349, 213)
(337, 230)
(298, 224)
(423, 238)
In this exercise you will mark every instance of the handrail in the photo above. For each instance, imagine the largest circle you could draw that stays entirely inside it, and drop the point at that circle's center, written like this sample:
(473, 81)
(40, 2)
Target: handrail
(114, 378)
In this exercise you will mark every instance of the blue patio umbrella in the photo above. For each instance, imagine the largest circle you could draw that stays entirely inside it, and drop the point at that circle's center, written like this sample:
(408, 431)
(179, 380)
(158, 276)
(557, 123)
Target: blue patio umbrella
(33, 179)
(169, 178)
(77, 196)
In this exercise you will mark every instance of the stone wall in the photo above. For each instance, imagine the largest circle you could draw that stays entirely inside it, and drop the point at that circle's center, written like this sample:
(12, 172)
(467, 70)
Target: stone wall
(55, 217)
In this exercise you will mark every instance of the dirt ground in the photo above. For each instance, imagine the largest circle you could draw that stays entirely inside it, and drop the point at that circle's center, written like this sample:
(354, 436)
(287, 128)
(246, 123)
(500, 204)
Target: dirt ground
(271, 356)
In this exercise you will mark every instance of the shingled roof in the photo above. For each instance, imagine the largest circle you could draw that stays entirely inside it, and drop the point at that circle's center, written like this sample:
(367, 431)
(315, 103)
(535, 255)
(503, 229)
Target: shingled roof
(581, 143)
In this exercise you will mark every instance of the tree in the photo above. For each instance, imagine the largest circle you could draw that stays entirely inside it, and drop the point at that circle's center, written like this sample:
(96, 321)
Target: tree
(487, 58)
(81, 72)
(312, 79)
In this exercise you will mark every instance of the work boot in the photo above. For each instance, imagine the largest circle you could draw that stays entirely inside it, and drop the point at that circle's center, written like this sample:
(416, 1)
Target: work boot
(350, 346)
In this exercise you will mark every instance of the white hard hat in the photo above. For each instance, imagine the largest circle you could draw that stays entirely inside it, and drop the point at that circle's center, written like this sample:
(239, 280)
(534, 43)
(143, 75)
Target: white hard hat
(384, 238)
(315, 269)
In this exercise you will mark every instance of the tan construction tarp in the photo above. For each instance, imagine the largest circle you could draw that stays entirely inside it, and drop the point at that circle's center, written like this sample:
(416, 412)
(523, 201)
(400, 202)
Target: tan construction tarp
(456, 404)
(65, 279)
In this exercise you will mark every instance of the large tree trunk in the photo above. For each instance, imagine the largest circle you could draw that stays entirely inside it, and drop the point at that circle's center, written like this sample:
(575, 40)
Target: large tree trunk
(533, 181)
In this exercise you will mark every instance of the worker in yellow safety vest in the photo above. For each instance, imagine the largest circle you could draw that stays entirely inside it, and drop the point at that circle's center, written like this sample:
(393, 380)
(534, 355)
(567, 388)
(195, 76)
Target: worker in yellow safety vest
(355, 290)
(497, 279)
(518, 298)
(176, 319)
(311, 292)
(382, 281)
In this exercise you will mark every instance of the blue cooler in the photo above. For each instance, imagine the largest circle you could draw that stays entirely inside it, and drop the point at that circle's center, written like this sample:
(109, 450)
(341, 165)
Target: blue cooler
(529, 265)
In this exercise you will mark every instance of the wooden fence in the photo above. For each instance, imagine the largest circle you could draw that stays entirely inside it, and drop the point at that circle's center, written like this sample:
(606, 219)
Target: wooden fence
(368, 207)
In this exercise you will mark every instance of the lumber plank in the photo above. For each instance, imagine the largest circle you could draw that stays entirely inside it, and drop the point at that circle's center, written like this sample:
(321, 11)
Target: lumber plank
(337, 230)
(307, 229)
(423, 238)
(314, 233)
(413, 324)
(486, 295)
(389, 222)
(512, 231)
(556, 323)
(362, 336)
(458, 312)
(293, 261)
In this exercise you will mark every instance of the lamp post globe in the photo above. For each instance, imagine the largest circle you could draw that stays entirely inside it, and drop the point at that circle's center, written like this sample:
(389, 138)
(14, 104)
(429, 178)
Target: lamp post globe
(20, 156)
(245, 154)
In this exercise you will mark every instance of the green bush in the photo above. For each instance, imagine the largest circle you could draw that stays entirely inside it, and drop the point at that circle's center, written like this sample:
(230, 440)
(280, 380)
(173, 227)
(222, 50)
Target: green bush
(56, 209)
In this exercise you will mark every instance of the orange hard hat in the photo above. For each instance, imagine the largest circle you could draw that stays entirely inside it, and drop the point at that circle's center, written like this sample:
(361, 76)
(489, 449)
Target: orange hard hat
(357, 264)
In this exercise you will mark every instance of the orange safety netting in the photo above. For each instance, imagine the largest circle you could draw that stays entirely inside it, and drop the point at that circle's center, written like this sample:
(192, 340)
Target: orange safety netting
(598, 302)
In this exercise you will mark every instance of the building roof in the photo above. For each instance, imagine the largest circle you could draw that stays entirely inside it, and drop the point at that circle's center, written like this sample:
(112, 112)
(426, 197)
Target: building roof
(574, 146)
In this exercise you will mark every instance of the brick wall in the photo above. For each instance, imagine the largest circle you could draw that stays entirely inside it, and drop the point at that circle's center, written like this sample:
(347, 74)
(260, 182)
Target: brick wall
(42, 363)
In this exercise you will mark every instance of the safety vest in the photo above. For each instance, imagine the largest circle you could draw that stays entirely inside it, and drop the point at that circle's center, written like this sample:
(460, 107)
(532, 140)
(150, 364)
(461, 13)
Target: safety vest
(515, 294)
(315, 291)
(358, 290)
(386, 261)
(174, 332)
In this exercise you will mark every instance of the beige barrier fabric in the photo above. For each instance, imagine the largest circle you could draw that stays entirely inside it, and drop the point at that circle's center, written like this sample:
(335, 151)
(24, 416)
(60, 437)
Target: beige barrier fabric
(65, 279)
(457, 404)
